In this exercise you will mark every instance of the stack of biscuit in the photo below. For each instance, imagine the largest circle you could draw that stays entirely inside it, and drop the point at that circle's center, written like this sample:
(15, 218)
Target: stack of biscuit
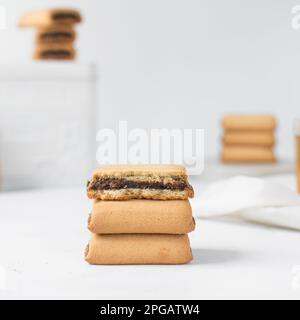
(55, 34)
(141, 215)
(248, 139)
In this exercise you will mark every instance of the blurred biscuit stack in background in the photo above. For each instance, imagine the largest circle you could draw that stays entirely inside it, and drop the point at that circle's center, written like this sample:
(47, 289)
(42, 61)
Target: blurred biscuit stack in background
(55, 34)
(248, 139)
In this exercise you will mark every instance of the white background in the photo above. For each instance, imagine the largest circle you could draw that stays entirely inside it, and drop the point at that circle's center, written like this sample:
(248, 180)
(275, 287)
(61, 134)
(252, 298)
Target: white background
(182, 63)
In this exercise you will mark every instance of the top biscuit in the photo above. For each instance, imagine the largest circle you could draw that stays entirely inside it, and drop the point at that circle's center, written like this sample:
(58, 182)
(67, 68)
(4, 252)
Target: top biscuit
(48, 17)
(248, 122)
(138, 170)
(126, 182)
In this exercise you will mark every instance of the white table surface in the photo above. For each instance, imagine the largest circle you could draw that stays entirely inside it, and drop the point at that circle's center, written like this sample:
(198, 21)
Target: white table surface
(43, 235)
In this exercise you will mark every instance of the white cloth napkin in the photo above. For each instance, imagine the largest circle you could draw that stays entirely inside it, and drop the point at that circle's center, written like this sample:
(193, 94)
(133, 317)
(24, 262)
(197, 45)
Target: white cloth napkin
(253, 199)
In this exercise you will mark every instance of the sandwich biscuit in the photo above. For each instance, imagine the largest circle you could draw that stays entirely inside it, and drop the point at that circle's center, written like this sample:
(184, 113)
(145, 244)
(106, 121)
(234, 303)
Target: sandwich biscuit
(240, 138)
(64, 16)
(55, 51)
(141, 216)
(138, 249)
(237, 154)
(125, 182)
(55, 34)
(249, 122)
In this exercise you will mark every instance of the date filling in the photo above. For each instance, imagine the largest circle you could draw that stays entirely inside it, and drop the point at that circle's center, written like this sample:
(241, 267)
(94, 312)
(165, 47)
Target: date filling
(55, 54)
(66, 16)
(56, 35)
(113, 183)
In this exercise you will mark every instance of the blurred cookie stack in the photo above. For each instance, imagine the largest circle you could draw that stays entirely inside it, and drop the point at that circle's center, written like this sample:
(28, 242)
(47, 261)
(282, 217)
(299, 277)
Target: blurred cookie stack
(141, 215)
(248, 139)
(55, 34)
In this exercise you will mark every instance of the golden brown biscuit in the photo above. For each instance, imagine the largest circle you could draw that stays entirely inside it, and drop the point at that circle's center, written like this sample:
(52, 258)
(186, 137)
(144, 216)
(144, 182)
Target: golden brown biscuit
(248, 122)
(55, 34)
(244, 138)
(140, 170)
(125, 182)
(138, 249)
(297, 158)
(130, 194)
(239, 154)
(49, 17)
(141, 216)
(55, 51)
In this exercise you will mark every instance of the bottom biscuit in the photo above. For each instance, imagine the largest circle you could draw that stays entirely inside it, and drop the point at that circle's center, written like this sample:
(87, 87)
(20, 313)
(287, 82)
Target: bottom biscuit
(138, 249)
(247, 154)
(52, 51)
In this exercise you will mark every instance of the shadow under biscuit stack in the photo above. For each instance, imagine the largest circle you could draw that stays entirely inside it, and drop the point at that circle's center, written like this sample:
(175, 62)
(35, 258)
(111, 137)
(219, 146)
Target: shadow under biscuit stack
(140, 215)
(55, 34)
(248, 139)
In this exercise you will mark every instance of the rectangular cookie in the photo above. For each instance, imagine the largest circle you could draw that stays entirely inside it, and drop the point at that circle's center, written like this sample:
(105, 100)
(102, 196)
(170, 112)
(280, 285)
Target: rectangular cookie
(48, 17)
(237, 154)
(141, 216)
(138, 249)
(53, 51)
(245, 138)
(55, 34)
(125, 182)
(240, 122)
